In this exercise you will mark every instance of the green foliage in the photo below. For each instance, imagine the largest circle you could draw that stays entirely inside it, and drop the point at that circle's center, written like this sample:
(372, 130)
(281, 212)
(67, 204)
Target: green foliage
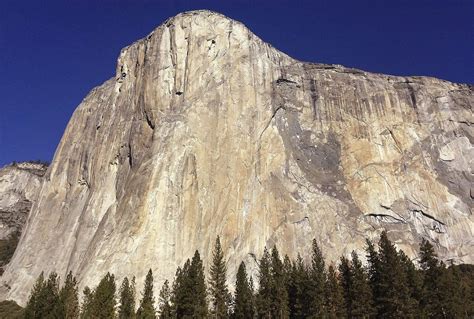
(189, 290)
(165, 302)
(44, 299)
(244, 306)
(317, 278)
(127, 299)
(147, 304)
(103, 301)
(220, 296)
(359, 290)
(11, 310)
(442, 288)
(265, 291)
(390, 287)
(279, 300)
(334, 301)
(87, 304)
(394, 296)
(68, 305)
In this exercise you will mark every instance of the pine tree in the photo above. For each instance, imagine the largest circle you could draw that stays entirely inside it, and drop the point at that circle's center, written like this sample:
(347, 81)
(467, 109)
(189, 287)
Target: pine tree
(299, 290)
(279, 297)
(68, 305)
(220, 296)
(44, 299)
(198, 285)
(103, 302)
(126, 308)
(87, 304)
(374, 270)
(334, 301)
(243, 301)
(147, 304)
(359, 291)
(318, 279)
(189, 290)
(165, 306)
(415, 282)
(31, 309)
(440, 297)
(394, 299)
(265, 291)
(346, 283)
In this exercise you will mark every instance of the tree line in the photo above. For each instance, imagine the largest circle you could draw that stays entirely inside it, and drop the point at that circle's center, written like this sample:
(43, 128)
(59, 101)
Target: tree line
(390, 285)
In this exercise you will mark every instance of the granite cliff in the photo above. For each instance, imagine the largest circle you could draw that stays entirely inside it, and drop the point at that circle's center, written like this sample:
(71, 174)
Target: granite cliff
(206, 130)
(20, 184)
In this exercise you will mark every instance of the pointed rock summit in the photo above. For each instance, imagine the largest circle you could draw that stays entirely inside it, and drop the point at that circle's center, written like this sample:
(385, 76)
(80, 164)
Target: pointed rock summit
(206, 130)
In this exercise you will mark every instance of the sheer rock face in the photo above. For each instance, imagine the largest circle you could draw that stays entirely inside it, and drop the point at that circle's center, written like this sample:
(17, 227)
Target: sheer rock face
(206, 130)
(20, 184)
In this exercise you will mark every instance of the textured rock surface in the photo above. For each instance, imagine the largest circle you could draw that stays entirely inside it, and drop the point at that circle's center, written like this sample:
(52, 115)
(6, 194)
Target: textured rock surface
(20, 184)
(206, 130)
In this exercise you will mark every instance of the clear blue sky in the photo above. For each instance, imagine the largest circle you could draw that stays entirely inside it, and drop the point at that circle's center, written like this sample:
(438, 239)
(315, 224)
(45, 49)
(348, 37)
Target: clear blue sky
(53, 52)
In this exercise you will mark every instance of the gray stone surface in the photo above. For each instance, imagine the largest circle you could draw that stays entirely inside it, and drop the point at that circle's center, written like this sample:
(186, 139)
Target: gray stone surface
(207, 130)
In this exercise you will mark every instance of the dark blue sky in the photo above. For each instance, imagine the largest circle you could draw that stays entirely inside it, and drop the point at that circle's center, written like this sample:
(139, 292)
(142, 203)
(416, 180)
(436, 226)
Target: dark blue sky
(52, 53)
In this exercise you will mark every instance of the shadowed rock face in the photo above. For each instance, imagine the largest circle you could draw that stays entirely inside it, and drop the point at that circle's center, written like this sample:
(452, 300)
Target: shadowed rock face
(20, 184)
(206, 130)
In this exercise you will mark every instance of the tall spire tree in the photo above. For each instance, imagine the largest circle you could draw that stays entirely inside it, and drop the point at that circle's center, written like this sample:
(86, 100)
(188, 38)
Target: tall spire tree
(68, 306)
(280, 295)
(165, 306)
(394, 297)
(265, 290)
(334, 302)
(127, 299)
(244, 299)
(147, 304)
(220, 296)
(359, 291)
(317, 278)
(103, 303)
(31, 309)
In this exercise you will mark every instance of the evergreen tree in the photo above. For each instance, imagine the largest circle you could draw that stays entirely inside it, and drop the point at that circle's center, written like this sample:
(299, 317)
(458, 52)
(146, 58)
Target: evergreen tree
(318, 279)
(189, 290)
(103, 301)
(196, 275)
(220, 296)
(166, 310)
(87, 304)
(394, 299)
(126, 308)
(265, 291)
(334, 301)
(147, 304)
(440, 296)
(31, 309)
(346, 283)
(243, 301)
(279, 296)
(68, 305)
(299, 290)
(415, 282)
(44, 299)
(359, 291)
(374, 271)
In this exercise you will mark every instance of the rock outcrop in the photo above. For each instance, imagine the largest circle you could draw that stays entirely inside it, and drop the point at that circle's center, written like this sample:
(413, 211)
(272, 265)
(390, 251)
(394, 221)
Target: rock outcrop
(20, 184)
(207, 130)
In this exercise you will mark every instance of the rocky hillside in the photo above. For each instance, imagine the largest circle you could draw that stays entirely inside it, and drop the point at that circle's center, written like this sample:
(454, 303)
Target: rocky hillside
(20, 184)
(206, 130)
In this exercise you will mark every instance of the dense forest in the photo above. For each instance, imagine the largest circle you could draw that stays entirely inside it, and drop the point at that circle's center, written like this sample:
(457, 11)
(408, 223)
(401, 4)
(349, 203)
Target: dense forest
(388, 285)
